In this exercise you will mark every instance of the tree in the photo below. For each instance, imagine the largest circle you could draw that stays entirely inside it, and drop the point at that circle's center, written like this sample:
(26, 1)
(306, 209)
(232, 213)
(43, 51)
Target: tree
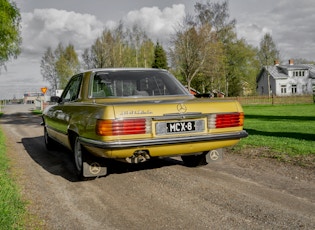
(197, 53)
(87, 59)
(186, 54)
(217, 15)
(57, 67)
(10, 38)
(242, 70)
(141, 47)
(160, 60)
(48, 69)
(268, 52)
(237, 62)
(67, 64)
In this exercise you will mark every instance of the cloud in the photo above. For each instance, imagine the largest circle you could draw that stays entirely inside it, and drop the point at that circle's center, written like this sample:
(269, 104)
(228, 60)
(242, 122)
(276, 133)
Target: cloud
(252, 33)
(44, 28)
(289, 23)
(158, 24)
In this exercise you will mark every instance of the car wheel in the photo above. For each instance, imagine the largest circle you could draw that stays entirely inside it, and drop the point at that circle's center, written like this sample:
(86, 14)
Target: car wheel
(88, 167)
(49, 142)
(78, 157)
(194, 160)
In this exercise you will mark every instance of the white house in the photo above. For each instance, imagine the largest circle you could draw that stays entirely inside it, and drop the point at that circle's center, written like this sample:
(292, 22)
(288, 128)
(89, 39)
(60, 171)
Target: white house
(285, 80)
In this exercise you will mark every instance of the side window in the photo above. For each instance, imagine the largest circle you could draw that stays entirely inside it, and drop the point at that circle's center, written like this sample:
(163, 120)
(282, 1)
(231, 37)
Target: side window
(71, 91)
(102, 86)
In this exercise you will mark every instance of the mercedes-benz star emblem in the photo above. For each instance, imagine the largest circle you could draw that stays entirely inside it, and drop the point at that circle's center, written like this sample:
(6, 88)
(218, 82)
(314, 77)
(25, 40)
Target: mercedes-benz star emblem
(181, 108)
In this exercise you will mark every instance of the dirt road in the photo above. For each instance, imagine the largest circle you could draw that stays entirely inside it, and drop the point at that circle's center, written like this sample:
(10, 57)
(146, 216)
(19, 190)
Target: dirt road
(240, 192)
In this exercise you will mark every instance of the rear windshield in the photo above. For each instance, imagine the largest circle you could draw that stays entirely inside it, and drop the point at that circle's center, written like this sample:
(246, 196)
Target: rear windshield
(136, 83)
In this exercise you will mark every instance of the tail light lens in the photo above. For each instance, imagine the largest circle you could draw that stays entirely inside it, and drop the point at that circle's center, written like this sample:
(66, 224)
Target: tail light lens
(122, 127)
(225, 120)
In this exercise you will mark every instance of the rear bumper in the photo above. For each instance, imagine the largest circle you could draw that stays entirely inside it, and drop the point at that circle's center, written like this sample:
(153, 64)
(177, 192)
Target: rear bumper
(162, 141)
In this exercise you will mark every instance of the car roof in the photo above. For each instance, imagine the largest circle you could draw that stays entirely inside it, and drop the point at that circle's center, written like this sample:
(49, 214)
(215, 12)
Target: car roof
(124, 69)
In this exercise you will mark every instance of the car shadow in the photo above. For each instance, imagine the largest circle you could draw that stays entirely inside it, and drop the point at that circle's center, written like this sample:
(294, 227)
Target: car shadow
(60, 160)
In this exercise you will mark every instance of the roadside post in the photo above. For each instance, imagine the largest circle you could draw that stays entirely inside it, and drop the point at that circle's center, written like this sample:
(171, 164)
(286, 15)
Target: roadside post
(44, 90)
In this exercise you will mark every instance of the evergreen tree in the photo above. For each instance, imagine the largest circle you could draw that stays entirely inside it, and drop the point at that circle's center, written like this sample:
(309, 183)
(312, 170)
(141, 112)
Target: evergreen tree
(160, 60)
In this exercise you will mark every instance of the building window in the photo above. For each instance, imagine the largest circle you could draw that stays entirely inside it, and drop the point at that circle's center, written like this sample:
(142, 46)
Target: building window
(294, 89)
(298, 73)
(283, 89)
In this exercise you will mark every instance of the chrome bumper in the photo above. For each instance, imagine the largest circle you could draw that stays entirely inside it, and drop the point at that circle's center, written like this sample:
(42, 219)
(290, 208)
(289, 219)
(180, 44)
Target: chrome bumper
(162, 141)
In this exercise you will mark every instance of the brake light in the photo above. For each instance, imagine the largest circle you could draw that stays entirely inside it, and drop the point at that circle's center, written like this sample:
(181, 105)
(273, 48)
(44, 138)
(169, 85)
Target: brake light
(225, 120)
(122, 127)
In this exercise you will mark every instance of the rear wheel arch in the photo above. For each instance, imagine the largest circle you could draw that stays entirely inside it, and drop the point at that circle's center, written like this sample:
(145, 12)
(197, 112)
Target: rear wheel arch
(72, 135)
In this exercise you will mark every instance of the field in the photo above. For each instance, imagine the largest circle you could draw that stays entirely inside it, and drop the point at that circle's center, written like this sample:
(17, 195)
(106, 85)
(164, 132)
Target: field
(286, 130)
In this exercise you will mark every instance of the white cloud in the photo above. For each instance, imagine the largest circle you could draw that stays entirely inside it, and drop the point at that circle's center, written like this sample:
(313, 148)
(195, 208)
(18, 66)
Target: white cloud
(288, 21)
(252, 33)
(43, 28)
(48, 27)
(158, 24)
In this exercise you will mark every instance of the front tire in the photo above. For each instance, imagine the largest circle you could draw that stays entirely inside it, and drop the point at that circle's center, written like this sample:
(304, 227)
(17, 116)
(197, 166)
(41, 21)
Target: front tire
(49, 142)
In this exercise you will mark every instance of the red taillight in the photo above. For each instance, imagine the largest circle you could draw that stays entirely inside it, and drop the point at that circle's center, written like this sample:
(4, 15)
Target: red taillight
(121, 127)
(225, 120)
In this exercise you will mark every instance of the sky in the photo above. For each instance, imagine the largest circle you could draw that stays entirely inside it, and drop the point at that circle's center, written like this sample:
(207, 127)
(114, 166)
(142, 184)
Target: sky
(46, 23)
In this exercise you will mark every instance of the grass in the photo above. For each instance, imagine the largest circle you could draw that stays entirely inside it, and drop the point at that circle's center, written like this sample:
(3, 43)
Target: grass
(12, 207)
(37, 112)
(284, 129)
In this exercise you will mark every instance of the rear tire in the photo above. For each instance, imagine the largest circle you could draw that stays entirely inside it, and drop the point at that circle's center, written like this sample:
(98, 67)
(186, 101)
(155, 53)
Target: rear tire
(87, 166)
(194, 160)
(78, 157)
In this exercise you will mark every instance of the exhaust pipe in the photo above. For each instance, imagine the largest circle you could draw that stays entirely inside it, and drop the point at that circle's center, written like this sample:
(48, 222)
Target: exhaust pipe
(139, 156)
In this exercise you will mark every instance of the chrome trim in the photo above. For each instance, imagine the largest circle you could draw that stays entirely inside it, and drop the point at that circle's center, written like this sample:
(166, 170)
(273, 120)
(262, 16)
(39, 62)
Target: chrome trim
(173, 116)
(162, 141)
(161, 127)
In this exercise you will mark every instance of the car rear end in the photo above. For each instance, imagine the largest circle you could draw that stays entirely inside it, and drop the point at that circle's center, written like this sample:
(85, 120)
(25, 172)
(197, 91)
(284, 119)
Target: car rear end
(137, 131)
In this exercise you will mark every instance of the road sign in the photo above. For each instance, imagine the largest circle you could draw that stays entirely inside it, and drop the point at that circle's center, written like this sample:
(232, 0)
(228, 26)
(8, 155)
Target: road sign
(43, 89)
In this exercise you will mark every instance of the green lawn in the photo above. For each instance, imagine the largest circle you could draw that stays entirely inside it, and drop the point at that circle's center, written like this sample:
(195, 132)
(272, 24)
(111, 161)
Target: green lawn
(12, 208)
(284, 129)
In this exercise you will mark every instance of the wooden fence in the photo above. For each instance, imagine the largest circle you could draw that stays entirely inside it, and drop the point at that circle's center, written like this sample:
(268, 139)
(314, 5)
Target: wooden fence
(274, 100)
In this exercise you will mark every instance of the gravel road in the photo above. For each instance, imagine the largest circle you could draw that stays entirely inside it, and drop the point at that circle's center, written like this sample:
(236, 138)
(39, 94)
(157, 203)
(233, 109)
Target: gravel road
(239, 192)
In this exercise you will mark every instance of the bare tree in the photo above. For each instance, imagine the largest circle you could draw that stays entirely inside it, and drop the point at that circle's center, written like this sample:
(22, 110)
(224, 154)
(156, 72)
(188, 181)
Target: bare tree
(48, 70)
(194, 47)
(268, 52)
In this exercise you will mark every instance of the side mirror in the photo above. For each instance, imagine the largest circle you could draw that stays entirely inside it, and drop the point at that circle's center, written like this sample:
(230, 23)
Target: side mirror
(55, 99)
(203, 95)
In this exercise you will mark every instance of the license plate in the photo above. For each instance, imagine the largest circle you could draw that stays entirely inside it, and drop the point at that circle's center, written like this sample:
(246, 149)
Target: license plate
(180, 127)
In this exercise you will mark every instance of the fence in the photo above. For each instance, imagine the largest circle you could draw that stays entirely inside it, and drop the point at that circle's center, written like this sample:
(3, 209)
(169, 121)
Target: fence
(274, 100)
